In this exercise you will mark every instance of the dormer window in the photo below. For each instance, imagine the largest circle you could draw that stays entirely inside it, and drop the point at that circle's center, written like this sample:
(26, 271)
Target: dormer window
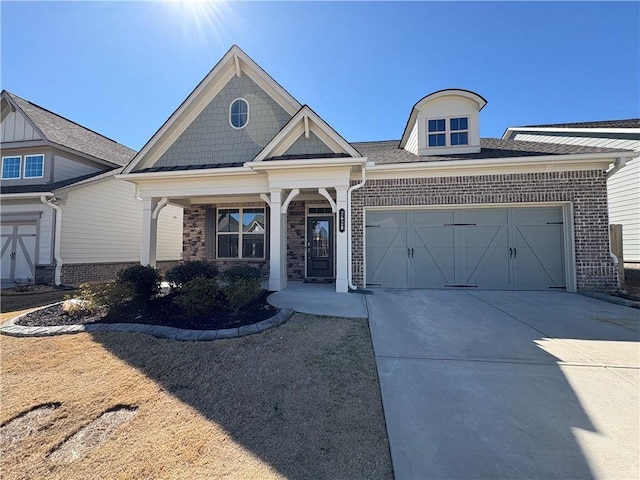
(239, 113)
(458, 131)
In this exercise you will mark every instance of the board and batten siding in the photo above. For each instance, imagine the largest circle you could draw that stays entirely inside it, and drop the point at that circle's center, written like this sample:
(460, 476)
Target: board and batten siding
(102, 222)
(15, 128)
(623, 188)
(64, 168)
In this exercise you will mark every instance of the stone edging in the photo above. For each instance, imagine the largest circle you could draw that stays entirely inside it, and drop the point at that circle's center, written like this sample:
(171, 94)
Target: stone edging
(160, 331)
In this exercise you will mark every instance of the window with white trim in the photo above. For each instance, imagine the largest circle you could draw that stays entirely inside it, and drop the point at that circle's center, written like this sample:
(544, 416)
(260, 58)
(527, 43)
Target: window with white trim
(239, 113)
(33, 166)
(11, 167)
(447, 132)
(240, 233)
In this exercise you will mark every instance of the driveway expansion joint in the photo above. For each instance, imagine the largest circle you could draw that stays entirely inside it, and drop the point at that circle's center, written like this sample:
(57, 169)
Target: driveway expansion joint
(159, 331)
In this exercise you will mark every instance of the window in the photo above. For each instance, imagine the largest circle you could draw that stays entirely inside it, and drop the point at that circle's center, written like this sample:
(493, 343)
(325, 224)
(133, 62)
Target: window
(239, 113)
(437, 139)
(11, 167)
(240, 233)
(33, 166)
(458, 132)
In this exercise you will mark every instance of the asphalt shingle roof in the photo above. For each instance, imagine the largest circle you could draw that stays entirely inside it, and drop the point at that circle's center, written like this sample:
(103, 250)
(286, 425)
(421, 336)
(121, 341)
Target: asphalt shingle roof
(66, 133)
(388, 151)
(626, 123)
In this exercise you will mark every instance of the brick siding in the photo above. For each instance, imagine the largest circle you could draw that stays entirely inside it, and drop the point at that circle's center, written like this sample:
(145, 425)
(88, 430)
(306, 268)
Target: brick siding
(194, 244)
(77, 273)
(586, 189)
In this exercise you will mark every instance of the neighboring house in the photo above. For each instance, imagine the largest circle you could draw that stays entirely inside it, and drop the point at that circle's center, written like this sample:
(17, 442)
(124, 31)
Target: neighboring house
(623, 186)
(440, 208)
(65, 217)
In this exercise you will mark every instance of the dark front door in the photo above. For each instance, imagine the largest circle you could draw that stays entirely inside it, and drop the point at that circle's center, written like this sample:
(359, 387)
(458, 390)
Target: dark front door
(320, 247)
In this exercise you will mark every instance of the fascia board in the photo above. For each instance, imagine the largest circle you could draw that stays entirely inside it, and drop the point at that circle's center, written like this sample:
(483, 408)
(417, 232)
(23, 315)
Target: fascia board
(572, 130)
(24, 196)
(473, 167)
(307, 163)
(205, 172)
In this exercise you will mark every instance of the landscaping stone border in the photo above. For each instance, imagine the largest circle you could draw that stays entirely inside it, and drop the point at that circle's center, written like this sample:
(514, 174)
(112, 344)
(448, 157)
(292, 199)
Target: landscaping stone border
(11, 329)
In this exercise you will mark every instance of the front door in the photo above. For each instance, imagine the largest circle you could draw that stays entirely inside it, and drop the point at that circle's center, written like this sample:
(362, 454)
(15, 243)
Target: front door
(319, 247)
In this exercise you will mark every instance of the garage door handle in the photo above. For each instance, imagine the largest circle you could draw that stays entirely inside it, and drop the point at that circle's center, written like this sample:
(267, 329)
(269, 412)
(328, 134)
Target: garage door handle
(412, 252)
(511, 253)
(515, 252)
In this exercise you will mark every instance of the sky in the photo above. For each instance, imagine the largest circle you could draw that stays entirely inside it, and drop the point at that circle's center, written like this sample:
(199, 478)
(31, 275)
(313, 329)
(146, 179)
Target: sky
(122, 68)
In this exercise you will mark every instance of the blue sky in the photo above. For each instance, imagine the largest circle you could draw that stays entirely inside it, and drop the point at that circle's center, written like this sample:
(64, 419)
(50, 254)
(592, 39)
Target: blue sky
(121, 68)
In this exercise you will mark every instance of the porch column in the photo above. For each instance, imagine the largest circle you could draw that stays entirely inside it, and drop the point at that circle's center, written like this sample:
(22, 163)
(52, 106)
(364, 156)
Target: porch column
(276, 242)
(342, 243)
(149, 232)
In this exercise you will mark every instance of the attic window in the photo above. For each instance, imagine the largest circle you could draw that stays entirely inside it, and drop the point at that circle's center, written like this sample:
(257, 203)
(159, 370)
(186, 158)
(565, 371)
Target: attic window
(239, 113)
(457, 132)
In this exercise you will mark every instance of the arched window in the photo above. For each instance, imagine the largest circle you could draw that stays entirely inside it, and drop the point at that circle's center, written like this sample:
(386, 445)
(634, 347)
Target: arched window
(239, 113)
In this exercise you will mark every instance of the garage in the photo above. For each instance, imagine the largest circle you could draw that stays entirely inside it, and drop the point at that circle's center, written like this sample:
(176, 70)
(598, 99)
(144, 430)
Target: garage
(18, 247)
(486, 248)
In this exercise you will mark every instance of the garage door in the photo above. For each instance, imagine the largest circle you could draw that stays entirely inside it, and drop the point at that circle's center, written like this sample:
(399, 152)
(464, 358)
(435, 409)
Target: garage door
(18, 248)
(489, 248)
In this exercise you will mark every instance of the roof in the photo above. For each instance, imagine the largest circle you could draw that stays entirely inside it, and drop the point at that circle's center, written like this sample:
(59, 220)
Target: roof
(62, 131)
(50, 187)
(389, 152)
(626, 123)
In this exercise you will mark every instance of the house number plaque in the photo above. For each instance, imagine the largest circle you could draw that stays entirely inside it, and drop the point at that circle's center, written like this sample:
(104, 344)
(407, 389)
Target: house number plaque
(341, 220)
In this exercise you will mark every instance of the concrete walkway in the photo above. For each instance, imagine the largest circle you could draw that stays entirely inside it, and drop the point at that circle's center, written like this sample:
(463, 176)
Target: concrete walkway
(319, 299)
(492, 385)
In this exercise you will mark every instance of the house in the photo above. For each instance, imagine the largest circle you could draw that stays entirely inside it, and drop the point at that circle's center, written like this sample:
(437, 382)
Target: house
(65, 218)
(439, 208)
(623, 186)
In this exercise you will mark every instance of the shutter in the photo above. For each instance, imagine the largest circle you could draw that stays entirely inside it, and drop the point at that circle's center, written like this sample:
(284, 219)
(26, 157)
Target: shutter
(210, 233)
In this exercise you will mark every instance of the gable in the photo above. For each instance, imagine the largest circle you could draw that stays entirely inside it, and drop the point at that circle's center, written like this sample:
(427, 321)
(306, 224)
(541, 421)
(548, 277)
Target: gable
(16, 128)
(308, 146)
(306, 134)
(211, 139)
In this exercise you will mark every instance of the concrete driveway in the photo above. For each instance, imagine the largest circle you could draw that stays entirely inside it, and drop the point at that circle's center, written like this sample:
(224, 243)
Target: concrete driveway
(489, 384)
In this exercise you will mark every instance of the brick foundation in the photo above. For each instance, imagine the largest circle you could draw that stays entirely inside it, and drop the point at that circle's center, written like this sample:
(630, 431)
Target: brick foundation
(587, 190)
(77, 273)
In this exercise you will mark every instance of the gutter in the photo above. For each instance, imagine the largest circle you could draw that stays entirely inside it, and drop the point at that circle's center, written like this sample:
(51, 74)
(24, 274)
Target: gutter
(350, 285)
(49, 199)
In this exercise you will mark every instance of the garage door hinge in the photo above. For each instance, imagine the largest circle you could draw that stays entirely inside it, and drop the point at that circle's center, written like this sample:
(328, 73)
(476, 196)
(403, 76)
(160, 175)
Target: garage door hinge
(555, 223)
(373, 226)
(458, 224)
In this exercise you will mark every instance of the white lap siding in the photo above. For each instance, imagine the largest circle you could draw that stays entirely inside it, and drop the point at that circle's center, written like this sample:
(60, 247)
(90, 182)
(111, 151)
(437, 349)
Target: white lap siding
(102, 222)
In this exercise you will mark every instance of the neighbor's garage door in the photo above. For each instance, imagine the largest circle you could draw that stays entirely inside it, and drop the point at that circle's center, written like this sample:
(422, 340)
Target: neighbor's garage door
(491, 248)
(18, 248)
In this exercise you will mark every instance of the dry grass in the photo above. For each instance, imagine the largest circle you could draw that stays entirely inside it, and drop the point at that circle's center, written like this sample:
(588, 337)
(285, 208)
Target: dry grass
(298, 401)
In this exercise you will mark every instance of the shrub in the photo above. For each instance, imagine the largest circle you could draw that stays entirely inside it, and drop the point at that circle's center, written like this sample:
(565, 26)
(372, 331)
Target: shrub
(190, 270)
(241, 272)
(95, 296)
(144, 282)
(200, 296)
(241, 292)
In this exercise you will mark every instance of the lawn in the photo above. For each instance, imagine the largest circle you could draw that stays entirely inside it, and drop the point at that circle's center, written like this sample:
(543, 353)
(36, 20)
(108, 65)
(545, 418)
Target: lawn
(298, 401)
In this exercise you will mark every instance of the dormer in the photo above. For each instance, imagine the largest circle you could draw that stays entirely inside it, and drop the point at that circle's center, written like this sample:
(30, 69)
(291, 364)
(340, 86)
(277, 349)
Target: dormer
(444, 123)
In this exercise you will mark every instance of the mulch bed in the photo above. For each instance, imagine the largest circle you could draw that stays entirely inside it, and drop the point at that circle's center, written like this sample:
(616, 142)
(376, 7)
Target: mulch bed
(160, 311)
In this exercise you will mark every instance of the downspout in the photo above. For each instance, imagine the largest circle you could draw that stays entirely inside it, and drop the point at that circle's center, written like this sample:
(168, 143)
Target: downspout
(617, 165)
(358, 185)
(56, 237)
